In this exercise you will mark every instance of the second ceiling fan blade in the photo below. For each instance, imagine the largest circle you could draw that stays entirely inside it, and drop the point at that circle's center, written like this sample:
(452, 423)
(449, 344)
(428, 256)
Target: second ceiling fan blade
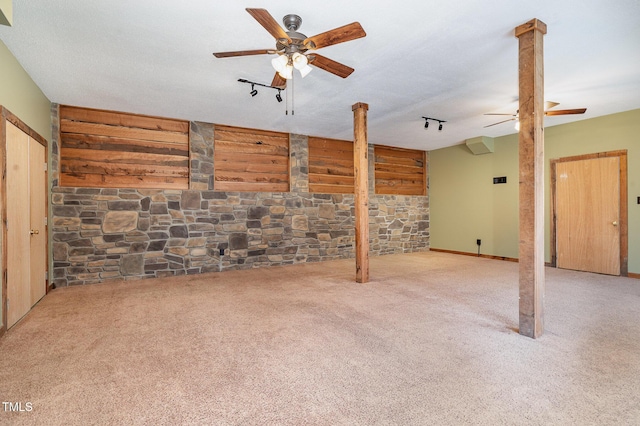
(242, 53)
(265, 19)
(331, 66)
(337, 35)
(500, 122)
(566, 111)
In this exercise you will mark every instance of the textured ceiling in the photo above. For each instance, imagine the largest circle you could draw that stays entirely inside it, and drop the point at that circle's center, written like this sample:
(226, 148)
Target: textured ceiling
(450, 60)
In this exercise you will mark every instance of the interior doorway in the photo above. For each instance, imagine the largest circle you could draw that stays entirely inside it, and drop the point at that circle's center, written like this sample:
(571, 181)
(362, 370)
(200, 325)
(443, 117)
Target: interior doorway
(24, 208)
(589, 213)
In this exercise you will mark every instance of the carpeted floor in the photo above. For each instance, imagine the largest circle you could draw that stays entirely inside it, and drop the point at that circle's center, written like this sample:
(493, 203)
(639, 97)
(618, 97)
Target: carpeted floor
(431, 340)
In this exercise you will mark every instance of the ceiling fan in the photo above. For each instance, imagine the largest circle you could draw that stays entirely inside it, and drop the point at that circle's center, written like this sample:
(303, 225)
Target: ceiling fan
(547, 107)
(292, 47)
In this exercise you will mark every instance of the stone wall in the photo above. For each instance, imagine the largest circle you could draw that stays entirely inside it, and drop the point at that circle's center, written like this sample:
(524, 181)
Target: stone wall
(102, 234)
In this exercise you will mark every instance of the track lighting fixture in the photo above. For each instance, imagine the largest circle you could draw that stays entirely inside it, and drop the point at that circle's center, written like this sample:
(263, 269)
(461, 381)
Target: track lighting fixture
(254, 91)
(426, 122)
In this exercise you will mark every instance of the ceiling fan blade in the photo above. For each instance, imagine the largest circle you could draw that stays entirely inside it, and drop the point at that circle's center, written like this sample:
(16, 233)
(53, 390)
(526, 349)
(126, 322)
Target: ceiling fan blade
(278, 82)
(550, 104)
(243, 53)
(500, 122)
(331, 66)
(265, 19)
(566, 111)
(348, 32)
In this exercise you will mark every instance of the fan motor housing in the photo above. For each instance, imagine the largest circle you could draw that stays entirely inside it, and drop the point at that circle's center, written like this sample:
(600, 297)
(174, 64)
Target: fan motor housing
(296, 45)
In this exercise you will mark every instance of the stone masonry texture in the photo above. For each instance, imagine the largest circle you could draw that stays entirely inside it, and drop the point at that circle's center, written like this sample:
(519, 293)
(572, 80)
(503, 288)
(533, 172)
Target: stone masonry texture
(100, 234)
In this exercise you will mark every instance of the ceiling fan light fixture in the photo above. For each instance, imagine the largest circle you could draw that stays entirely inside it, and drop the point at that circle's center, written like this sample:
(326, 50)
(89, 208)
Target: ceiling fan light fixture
(299, 60)
(279, 63)
(287, 72)
(304, 71)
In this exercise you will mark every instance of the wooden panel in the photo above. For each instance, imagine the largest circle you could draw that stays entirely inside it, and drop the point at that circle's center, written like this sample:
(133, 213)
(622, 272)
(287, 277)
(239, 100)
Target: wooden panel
(38, 214)
(114, 149)
(18, 224)
(250, 160)
(331, 166)
(102, 181)
(67, 126)
(331, 189)
(588, 215)
(252, 186)
(399, 171)
(106, 143)
(123, 119)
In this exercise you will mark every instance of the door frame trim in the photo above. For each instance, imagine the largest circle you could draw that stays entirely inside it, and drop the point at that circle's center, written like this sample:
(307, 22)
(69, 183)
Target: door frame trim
(624, 200)
(8, 116)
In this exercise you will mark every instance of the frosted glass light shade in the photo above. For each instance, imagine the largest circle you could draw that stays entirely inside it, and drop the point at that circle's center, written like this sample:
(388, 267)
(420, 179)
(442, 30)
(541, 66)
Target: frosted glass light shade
(280, 63)
(305, 70)
(287, 72)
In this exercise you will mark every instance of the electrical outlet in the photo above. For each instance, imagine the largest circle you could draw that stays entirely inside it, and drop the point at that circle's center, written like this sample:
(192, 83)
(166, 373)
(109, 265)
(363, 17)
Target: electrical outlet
(221, 252)
(478, 241)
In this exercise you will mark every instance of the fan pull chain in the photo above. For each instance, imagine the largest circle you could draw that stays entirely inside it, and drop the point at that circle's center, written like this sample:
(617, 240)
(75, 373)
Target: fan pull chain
(292, 93)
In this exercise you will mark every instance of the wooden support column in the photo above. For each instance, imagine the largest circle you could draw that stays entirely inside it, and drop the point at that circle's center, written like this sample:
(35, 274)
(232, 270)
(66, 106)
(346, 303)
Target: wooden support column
(531, 156)
(361, 171)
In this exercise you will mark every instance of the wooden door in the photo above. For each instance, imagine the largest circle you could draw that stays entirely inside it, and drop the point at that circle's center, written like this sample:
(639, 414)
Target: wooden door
(18, 225)
(588, 215)
(38, 220)
(26, 227)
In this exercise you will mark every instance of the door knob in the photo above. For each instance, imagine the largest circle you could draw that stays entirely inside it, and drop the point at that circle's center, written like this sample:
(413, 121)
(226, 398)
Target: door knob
(34, 231)
(615, 223)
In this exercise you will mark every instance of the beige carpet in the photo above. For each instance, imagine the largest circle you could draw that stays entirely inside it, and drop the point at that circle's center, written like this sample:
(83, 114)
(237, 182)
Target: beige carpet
(432, 340)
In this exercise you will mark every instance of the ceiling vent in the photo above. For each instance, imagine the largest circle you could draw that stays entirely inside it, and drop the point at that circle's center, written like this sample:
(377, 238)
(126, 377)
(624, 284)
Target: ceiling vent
(480, 145)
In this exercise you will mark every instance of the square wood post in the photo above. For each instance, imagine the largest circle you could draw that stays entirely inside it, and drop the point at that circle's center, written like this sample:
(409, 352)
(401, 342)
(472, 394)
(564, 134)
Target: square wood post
(361, 171)
(531, 157)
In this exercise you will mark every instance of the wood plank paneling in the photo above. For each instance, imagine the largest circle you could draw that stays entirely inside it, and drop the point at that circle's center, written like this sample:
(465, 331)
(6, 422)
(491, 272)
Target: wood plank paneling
(135, 182)
(399, 171)
(331, 166)
(250, 160)
(111, 149)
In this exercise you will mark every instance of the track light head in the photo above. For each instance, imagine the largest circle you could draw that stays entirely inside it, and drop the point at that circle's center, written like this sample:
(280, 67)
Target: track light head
(253, 91)
(278, 96)
(426, 122)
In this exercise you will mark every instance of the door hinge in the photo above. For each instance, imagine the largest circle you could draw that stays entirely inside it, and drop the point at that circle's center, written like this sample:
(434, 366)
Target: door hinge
(45, 167)
(46, 221)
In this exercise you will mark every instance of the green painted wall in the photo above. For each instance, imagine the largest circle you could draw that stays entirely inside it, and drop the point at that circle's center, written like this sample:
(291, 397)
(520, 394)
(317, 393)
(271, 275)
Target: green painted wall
(466, 205)
(20, 95)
